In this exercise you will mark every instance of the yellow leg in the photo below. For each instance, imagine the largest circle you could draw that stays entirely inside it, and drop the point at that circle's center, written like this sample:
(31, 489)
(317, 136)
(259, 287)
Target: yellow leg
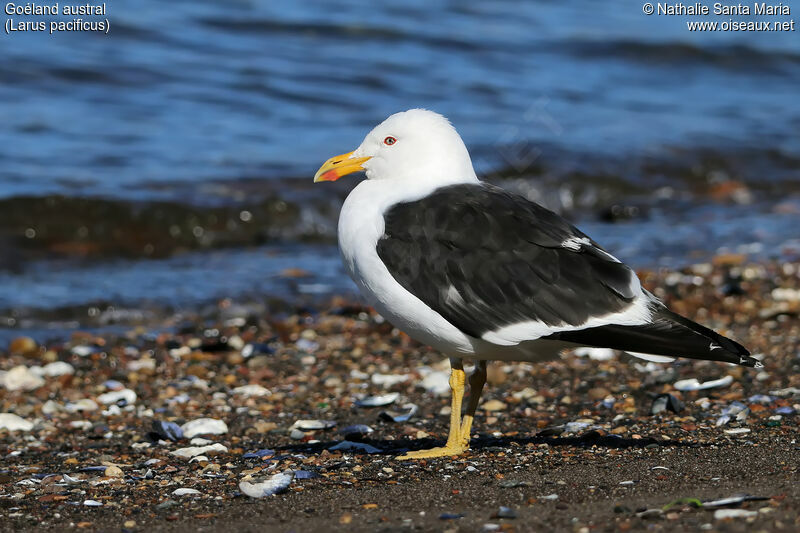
(455, 444)
(476, 382)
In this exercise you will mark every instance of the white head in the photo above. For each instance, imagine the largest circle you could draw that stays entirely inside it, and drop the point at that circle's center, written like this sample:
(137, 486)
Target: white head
(412, 145)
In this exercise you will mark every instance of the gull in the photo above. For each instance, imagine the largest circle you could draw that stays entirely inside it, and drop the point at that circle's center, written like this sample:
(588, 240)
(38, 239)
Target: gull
(482, 274)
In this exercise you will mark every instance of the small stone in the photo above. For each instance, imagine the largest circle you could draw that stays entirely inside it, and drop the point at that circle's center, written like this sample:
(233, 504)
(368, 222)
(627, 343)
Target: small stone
(23, 346)
(84, 404)
(57, 368)
(124, 397)
(113, 471)
(493, 405)
(128, 524)
(13, 422)
(436, 383)
(598, 393)
(252, 390)
(21, 378)
(495, 375)
(204, 426)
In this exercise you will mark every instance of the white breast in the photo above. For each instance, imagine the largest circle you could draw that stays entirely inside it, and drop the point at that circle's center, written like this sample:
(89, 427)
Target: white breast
(361, 224)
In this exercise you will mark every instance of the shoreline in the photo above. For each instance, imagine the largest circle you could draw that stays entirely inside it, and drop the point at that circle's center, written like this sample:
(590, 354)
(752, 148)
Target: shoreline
(581, 428)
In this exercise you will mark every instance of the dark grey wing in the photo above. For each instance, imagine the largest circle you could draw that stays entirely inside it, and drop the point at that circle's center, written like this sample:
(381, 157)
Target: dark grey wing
(485, 259)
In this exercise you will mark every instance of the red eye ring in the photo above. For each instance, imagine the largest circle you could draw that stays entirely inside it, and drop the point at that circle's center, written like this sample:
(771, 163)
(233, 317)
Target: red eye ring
(388, 141)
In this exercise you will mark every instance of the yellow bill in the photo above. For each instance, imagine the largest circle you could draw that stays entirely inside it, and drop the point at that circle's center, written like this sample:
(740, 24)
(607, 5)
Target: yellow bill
(338, 166)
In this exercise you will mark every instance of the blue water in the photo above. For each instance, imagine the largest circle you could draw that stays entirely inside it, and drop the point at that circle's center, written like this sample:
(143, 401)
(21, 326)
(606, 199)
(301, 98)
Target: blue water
(189, 91)
(183, 95)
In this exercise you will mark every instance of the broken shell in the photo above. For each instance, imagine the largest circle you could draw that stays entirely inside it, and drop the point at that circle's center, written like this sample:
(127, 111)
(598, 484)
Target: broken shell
(312, 425)
(408, 410)
(357, 429)
(666, 402)
(694, 384)
(193, 451)
(185, 492)
(166, 430)
(378, 401)
(347, 446)
(274, 485)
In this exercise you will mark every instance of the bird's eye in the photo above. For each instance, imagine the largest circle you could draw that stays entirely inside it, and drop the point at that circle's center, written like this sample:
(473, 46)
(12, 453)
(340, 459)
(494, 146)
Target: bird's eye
(388, 141)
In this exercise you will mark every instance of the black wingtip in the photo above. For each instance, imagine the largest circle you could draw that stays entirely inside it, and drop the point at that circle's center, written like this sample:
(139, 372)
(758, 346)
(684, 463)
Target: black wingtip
(752, 362)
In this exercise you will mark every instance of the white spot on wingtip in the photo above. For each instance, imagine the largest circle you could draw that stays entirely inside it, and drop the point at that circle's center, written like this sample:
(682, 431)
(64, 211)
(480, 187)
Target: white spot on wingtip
(575, 243)
(713, 346)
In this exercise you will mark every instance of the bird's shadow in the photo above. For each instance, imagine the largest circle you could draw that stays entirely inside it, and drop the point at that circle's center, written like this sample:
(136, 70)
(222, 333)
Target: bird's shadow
(485, 443)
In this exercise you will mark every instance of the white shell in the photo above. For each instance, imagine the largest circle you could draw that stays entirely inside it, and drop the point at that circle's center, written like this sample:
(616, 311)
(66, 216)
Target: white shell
(274, 485)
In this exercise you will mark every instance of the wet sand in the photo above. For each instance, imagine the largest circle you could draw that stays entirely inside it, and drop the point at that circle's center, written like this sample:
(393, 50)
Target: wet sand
(571, 445)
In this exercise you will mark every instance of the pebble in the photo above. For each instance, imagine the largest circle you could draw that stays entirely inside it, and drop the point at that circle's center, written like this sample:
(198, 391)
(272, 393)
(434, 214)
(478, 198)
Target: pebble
(92, 503)
(252, 390)
(436, 383)
(204, 426)
(57, 369)
(84, 404)
(125, 395)
(23, 346)
(13, 422)
(20, 378)
(113, 471)
(83, 350)
(389, 380)
(598, 393)
(273, 485)
(494, 405)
